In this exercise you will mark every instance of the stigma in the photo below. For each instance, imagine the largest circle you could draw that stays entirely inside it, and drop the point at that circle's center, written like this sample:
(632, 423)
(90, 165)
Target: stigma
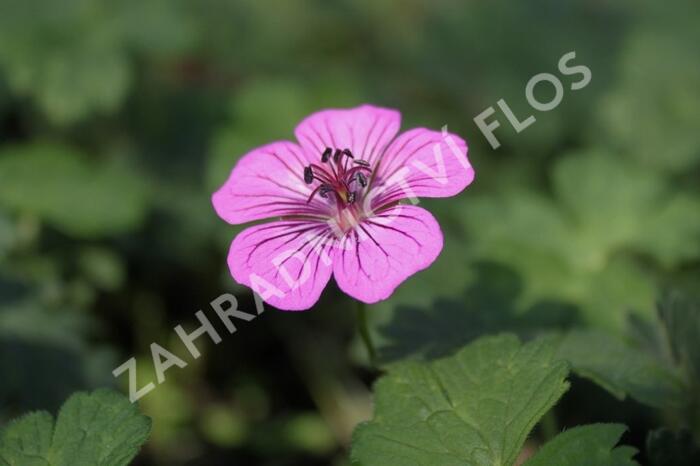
(340, 177)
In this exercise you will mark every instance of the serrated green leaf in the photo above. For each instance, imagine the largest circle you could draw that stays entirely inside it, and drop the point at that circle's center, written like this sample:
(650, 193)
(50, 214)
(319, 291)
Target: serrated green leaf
(62, 187)
(621, 368)
(589, 445)
(474, 408)
(27, 440)
(101, 428)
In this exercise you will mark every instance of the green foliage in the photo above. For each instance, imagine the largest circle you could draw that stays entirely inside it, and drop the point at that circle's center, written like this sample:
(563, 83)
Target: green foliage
(577, 247)
(48, 350)
(647, 90)
(622, 368)
(475, 408)
(72, 56)
(665, 447)
(681, 320)
(118, 119)
(591, 445)
(64, 188)
(101, 428)
(488, 305)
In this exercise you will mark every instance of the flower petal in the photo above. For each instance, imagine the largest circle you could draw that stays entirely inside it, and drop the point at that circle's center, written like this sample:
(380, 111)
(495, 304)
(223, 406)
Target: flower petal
(288, 263)
(267, 182)
(371, 261)
(423, 163)
(365, 130)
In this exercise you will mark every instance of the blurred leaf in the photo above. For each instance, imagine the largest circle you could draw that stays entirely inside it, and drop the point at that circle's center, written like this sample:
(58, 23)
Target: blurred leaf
(64, 57)
(102, 267)
(223, 426)
(171, 27)
(628, 205)
(7, 235)
(101, 428)
(61, 186)
(667, 448)
(681, 319)
(590, 445)
(72, 56)
(12, 289)
(476, 407)
(622, 368)
(47, 350)
(582, 246)
(488, 305)
(649, 114)
(309, 432)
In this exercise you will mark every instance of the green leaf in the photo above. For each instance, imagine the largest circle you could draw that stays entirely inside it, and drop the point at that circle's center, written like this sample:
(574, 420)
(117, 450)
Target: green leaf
(590, 445)
(474, 408)
(622, 368)
(27, 440)
(101, 428)
(630, 205)
(77, 196)
(583, 244)
(488, 305)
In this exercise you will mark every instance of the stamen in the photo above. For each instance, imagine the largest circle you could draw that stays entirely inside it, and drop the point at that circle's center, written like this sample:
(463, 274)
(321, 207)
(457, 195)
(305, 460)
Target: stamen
(308, 175)
(324, 191)
(337, 178)
(326, 154)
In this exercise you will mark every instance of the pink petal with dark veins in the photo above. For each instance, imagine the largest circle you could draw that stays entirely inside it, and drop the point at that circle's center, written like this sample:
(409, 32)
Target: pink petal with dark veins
(423, 163)
(268, 182)
(365, 130)
(288, 263)
(383, 251)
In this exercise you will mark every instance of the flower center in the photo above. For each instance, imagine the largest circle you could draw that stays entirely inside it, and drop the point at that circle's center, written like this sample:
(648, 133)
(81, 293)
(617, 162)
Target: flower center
(339, 175)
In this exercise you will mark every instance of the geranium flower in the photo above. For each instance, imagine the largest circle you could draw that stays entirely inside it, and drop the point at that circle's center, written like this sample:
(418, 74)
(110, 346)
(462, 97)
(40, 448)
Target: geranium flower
(337, 196)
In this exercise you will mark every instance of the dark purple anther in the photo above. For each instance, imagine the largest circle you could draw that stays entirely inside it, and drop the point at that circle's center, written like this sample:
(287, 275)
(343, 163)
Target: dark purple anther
(362, 163)
(326, 154)
(362, 179)
(324, 191)
(308, 175)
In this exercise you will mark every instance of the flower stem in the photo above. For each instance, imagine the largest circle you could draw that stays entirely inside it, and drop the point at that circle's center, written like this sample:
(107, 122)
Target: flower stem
(364, 331)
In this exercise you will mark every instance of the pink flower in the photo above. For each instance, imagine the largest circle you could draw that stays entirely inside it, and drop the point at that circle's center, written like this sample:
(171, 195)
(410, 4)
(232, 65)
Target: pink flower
(336, 196)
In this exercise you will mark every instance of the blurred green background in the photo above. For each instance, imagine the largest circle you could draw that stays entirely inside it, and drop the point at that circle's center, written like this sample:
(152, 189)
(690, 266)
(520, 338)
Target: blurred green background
(118, 119)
